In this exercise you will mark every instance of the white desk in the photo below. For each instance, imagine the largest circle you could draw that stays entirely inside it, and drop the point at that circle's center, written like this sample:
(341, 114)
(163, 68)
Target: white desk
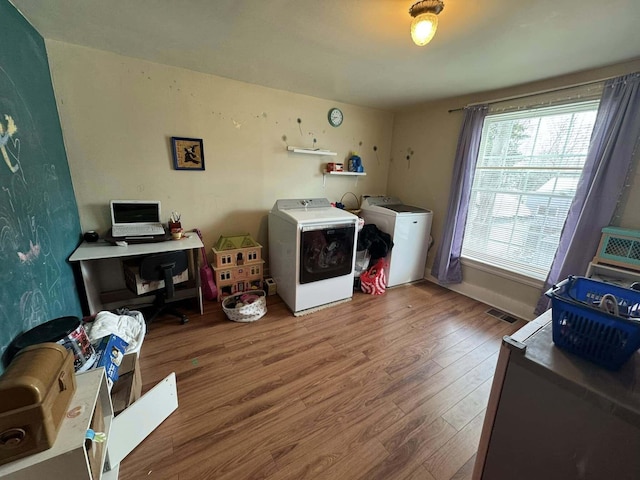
(103, 278)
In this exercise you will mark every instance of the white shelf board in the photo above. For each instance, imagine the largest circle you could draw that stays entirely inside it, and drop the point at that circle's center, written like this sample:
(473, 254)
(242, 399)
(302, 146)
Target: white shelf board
(311, 151)
(360, 174)
(344, 174)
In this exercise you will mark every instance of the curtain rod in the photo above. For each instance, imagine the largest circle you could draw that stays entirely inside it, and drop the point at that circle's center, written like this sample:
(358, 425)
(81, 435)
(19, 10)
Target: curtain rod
(525, 95)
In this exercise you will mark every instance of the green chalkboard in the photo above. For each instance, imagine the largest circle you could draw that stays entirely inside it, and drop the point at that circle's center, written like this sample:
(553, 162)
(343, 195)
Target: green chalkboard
(39, 224)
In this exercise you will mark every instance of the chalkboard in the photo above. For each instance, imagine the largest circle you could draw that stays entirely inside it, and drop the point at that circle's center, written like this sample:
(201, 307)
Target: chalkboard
(39, 224)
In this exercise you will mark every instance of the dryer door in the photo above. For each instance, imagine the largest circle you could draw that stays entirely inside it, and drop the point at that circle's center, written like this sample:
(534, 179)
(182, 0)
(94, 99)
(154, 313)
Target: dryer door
(326, 251)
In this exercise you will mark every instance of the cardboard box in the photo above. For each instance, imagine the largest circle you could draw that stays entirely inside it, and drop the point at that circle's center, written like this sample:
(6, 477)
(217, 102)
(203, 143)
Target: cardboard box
(139, 286)
(110, 352)
(128, 388)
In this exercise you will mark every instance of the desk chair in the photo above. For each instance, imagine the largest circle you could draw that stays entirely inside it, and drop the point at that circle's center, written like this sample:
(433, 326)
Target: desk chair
(163, 266)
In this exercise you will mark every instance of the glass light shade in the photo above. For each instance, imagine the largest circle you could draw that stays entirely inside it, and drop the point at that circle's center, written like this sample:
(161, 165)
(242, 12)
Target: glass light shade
(423, 28)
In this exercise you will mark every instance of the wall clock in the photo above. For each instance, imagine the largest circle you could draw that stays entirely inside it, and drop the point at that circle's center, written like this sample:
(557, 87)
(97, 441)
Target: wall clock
(335, 117)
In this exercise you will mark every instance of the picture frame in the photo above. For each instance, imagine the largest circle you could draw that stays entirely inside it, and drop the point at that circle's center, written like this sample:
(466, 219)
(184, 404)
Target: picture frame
(188, 153)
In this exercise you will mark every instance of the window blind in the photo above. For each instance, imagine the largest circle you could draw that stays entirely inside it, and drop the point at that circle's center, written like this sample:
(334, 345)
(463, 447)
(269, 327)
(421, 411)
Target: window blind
(526, 176)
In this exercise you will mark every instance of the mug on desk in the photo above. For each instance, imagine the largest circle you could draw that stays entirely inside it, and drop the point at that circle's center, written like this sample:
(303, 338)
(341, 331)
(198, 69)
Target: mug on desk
(176, 233)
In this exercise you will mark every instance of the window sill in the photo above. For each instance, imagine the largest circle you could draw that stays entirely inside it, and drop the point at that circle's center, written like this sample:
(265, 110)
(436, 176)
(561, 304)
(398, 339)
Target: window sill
(514, 277)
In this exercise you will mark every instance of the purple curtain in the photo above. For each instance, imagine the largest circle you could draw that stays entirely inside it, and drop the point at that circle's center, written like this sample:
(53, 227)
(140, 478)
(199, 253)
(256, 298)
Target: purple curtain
(446, 266)
(613, 142)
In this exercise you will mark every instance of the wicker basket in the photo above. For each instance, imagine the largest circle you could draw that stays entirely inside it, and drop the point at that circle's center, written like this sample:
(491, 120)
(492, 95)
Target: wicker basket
(246, 313)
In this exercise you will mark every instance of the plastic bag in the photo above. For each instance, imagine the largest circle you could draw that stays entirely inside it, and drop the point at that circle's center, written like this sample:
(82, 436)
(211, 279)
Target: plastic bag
(373, 281)
(362, 262)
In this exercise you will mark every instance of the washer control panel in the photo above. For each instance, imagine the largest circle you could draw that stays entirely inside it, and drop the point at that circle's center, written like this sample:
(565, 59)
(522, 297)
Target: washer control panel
(302, 203)
(380, 200)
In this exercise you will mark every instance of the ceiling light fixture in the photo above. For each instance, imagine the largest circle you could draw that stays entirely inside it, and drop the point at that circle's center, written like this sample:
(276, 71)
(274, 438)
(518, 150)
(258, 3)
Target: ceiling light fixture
(425, 20)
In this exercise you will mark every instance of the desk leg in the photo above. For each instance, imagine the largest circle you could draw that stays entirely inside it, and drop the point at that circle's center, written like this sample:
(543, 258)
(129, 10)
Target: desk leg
(90, 280)
(195, 258)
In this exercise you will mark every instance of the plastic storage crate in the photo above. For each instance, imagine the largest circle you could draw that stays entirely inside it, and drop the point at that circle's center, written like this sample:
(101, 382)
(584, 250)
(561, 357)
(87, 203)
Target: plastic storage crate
(580, 327)
(619, 246)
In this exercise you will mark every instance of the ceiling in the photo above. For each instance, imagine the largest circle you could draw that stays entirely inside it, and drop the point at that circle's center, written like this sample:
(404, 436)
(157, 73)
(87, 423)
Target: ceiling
(354, 51)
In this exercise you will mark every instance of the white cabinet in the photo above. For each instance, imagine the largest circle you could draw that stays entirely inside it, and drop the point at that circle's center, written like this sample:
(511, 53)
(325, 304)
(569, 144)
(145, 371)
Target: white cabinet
(70, 458)
(555, 416)
(74, 458)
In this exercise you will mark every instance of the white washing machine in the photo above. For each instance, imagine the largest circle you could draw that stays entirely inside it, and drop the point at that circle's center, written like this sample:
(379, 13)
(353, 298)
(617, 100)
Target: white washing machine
(312, 251)
(410, 230)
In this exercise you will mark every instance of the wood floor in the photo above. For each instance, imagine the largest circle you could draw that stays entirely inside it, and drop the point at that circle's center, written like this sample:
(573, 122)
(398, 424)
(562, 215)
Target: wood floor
(389, 387)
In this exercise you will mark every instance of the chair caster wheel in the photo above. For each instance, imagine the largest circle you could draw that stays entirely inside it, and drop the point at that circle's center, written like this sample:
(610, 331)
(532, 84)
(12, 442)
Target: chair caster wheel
(183, 320)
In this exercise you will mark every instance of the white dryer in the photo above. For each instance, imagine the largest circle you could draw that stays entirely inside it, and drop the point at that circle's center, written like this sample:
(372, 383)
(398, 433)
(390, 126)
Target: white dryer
(312, 251)
(410, 230)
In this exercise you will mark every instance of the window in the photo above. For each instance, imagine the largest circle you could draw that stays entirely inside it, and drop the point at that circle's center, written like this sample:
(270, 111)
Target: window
(526, 176)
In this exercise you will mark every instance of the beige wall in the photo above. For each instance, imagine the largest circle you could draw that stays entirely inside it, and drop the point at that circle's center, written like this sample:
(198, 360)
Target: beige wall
(118, 114)
(428, 134)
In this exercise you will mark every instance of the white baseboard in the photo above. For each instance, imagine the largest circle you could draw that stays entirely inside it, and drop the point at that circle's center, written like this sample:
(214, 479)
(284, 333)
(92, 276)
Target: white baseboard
(491, 298)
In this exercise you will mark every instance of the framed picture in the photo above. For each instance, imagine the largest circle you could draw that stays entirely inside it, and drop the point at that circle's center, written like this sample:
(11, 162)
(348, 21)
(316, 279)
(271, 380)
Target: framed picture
(188, 153)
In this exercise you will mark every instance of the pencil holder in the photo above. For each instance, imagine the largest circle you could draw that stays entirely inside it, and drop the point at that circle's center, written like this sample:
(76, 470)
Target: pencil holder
(174, 225)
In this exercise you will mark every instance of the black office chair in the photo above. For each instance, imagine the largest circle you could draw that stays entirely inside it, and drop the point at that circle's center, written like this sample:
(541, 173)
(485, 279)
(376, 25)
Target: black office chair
(163, 266)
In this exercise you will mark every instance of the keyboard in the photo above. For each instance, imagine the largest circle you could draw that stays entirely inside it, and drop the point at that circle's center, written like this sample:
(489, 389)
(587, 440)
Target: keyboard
(137, 230)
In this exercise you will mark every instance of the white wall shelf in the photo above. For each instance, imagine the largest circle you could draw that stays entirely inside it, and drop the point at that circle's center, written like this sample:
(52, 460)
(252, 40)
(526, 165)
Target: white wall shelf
(344, 174)
(311, 151)
(359, 174)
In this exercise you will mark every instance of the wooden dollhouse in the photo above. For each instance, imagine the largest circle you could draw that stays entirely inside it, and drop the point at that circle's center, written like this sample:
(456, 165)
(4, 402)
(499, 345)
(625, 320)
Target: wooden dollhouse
(237, 264)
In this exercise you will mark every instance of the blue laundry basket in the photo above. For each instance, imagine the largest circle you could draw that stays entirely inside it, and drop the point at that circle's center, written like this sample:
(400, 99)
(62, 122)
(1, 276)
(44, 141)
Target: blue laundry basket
(580, 327)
